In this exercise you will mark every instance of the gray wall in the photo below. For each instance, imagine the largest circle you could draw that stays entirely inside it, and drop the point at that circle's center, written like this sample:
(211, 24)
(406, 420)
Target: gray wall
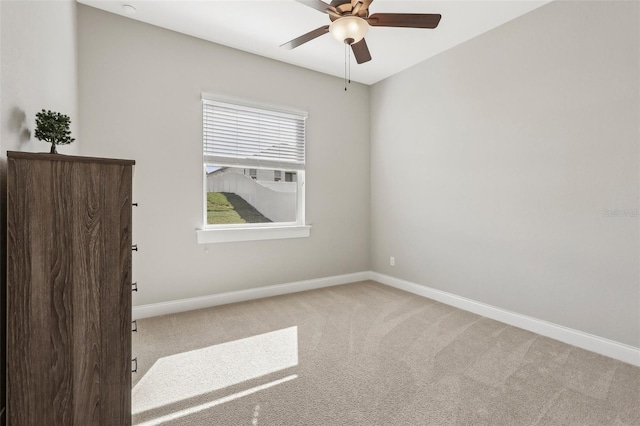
(39, 62)
(493, 165)
(140, 90)
(38, 70)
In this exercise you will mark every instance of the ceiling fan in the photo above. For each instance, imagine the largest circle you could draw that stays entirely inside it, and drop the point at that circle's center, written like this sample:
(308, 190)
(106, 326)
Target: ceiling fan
(350, 21)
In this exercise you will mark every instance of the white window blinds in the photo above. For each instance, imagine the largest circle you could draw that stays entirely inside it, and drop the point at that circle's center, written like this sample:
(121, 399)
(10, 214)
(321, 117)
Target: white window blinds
(239, 135)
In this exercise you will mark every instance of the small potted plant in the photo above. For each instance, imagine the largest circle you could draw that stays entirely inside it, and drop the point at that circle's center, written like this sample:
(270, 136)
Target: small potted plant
(53, 127)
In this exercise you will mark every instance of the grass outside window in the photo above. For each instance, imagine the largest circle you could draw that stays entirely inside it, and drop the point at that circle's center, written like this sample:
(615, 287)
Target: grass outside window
(229, 208)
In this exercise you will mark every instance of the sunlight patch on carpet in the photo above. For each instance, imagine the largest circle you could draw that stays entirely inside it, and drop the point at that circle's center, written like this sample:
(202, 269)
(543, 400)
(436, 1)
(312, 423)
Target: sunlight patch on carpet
(189, 374)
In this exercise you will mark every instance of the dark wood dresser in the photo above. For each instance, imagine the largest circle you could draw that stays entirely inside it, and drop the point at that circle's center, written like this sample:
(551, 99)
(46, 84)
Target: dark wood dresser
(68, 290)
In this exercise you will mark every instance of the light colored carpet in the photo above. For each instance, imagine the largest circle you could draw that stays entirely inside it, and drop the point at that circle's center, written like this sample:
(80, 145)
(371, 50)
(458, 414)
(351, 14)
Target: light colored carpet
(368, 354)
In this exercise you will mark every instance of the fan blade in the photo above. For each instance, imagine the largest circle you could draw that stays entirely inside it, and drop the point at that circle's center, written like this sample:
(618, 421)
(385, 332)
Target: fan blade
(317, 5)
(334, 12)
(361, 52)
(306, 37)
(407, 20)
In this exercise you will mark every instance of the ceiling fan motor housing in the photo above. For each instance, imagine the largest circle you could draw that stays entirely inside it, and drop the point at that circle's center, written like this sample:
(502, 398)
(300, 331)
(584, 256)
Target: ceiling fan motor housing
(345, 8)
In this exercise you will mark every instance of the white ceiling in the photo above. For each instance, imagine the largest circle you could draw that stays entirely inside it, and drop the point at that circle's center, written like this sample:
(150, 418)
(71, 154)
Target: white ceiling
(261, 26)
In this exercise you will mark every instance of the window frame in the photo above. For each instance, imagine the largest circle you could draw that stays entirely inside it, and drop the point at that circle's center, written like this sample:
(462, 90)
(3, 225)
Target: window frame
(217, 233)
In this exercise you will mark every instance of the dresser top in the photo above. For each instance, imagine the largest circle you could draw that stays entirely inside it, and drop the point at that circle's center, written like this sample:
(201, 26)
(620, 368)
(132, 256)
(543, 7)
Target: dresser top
(61, 157)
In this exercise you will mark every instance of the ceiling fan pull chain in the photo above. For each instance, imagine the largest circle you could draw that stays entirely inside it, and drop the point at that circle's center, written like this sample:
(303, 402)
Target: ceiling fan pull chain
(346, 46)
(349, 60)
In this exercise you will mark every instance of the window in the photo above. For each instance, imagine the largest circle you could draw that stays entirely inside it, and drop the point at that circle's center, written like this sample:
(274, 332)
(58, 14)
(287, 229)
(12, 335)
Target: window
(246, 148)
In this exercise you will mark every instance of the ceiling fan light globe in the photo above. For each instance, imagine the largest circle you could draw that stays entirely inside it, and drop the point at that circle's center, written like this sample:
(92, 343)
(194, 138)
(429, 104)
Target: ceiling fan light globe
(349, 28)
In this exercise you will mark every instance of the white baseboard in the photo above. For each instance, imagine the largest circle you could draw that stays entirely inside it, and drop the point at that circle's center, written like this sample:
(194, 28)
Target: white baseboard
(183, 305)
(573, 337)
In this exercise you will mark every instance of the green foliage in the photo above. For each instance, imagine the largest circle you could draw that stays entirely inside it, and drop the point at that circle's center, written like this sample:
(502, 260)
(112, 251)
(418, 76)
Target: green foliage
(220, 210)
(53, 127)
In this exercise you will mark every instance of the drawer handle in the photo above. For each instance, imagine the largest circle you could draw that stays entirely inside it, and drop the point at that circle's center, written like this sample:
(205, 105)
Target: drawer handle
(134, 247)
(134, 326)
(134, 287)
(134, 365)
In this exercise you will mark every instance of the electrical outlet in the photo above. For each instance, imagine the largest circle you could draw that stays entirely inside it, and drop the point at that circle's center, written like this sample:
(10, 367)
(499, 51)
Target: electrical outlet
(392, 261)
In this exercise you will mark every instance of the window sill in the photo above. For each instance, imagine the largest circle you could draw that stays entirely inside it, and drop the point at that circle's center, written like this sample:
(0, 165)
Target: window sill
(209, 236)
